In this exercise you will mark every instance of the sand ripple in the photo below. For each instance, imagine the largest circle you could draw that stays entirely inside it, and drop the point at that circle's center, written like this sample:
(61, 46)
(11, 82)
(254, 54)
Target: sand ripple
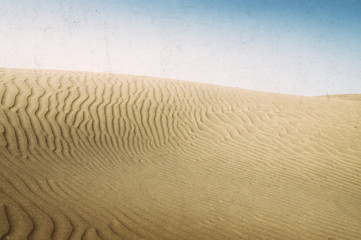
(102, 156)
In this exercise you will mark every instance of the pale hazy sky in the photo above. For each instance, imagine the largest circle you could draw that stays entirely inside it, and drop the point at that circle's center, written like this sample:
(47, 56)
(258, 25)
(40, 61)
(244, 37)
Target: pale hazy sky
(297, 47)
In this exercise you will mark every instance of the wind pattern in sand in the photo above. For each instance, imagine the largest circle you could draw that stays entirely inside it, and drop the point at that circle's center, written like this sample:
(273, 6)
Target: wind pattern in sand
(106, 156)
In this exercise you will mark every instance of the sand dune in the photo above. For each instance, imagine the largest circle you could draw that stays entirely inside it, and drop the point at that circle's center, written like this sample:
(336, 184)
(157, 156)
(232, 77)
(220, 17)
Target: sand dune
(354, 97)
(101, 156)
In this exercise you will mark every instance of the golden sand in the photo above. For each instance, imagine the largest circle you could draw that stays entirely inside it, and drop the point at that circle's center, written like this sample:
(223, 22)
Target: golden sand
(105, 156)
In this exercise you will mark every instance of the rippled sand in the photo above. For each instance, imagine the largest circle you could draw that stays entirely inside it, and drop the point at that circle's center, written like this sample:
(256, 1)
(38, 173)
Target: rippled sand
(102, 156)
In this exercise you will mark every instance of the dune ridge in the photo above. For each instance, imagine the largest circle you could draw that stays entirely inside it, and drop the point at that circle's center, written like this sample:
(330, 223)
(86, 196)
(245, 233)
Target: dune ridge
(109, 156)
(351, 97)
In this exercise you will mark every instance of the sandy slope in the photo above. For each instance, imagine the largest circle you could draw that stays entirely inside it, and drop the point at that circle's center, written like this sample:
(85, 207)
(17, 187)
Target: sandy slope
(100, 156)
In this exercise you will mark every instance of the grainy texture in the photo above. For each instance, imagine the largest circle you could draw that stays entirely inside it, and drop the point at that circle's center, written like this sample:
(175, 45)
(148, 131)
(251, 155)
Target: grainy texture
(102, 156)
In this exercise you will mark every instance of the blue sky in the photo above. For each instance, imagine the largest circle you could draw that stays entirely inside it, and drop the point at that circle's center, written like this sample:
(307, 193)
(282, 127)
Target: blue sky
(295, 47)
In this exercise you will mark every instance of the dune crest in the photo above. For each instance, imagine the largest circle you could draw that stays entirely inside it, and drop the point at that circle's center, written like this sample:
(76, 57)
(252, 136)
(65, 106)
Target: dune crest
(106, 156)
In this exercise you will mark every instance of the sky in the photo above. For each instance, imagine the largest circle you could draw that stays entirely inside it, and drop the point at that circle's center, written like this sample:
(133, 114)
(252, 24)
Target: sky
(302, 47)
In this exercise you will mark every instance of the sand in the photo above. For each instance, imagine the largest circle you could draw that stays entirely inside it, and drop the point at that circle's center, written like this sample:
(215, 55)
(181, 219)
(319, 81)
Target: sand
(106, 156)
